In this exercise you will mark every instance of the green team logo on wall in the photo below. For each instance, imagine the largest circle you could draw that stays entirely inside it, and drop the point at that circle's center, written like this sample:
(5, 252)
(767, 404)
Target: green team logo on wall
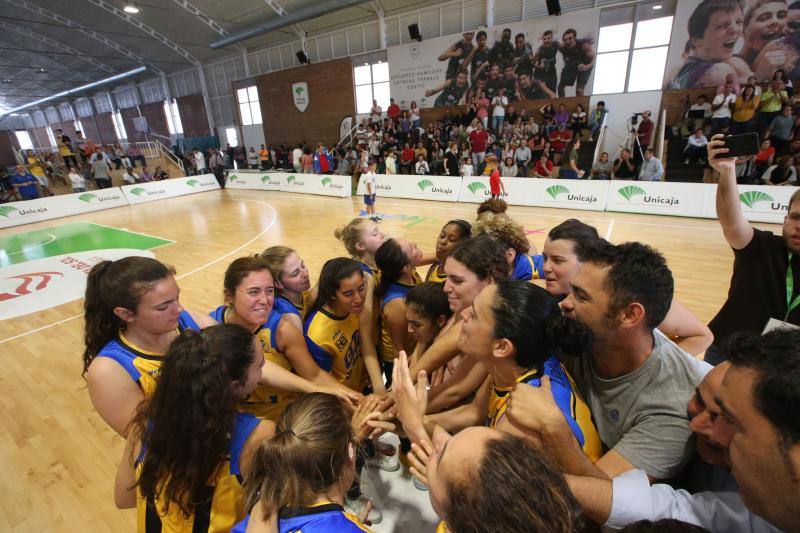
(87, 197)
(6, 210)
(326, 181)
(138, 191)
(423, 184)
(751, 198)
(555, 190)
(476, 186)
(630, 191)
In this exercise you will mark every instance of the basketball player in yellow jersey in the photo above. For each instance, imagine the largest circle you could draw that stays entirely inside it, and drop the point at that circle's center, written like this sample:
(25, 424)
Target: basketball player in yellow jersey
(452, 233)
(132, 314)
(293, 292)
(516, 330)
(249, 297)
(332, 327)
(188, 445)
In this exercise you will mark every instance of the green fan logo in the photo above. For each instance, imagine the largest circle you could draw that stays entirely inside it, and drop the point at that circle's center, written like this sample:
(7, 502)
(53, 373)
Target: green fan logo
(87, 197)
(630, 191)
(6, 210)
(751, 198)
(264, 179)
(424, 183)
(232, 178)
(298, 91)
(476, 186)
(326, 181)
(555, 190)
(138, 191)
(291, 179)
(192, 183)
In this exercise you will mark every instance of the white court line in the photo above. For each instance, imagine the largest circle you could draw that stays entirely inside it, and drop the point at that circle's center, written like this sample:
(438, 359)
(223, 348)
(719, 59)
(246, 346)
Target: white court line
(608, 231)
(217, 260)
(134, 232)
(52, 238)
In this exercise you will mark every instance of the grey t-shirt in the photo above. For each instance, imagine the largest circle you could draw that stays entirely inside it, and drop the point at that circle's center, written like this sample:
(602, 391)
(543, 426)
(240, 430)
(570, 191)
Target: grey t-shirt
(642, 415)
(100, 168)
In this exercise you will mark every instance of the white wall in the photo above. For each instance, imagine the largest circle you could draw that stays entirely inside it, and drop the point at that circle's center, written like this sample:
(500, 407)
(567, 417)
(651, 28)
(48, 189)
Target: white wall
(253, 136)
(620, 108)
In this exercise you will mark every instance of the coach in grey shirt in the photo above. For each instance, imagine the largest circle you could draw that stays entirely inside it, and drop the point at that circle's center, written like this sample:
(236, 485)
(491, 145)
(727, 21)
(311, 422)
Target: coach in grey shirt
(636, 382)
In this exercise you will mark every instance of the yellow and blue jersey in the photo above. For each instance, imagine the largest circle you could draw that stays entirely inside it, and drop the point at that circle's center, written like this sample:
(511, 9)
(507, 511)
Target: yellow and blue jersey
(385, 346)
(528, 267)
(141, 365)
(333, 342)
(223, 502)
(566, 396)
(322, 518)
(433, 274)
(264, 402)
(284, 305)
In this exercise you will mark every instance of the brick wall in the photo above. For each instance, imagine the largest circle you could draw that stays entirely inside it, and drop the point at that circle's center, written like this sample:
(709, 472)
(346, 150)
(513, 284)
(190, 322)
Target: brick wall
(105, 129)
(8, 142)
(331, 98)
(156, 119)
(39, 137)
(68, 128)
(89, 130)
(127, 119)
(193, 115)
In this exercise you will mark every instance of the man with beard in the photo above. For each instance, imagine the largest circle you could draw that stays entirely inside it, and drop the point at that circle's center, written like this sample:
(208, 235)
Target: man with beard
(522, 57)
(636, 382)
(478, 59)
(578, 62)
(457, 54)
(494, 81)
(766, 267)
(503, 50)
(544, 61)
(510, 84)
(532, 89)
(452, 89)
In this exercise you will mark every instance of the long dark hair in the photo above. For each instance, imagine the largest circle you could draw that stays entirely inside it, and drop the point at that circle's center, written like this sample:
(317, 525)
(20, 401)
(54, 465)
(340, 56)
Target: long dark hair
(185, 426)
(429, 300)
(241, 268)
(307, 455)
(111, 284)
(482, 255)
(583, 236)
(333, 272)
(390, 260)
(529, 317)
(464, 227)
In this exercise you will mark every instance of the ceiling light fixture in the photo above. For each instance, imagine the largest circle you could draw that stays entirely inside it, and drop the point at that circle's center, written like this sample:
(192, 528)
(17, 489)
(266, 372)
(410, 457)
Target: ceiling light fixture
(657, 6)
(130, 8)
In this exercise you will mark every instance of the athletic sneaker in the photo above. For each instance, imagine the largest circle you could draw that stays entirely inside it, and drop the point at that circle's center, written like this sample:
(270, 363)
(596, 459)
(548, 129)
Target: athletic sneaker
(420, 485)
(357, 506)
(385, 457)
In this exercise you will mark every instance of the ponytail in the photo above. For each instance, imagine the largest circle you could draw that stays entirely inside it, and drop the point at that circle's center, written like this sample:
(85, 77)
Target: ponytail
(112, 284)
(390, 260)
(308, 455)
(351, 234)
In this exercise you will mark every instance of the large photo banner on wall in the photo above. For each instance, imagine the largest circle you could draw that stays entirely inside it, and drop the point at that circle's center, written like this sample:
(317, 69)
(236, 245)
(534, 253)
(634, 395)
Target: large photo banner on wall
(543, 58)
(712, 40)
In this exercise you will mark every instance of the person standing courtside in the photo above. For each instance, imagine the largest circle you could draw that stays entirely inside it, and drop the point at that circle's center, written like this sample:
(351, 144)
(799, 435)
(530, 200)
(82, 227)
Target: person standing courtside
(766, 267)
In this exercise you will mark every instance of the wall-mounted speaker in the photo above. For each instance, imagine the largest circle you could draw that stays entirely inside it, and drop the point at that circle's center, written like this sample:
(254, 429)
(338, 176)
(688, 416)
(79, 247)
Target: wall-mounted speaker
(553, 7)
(413, 32)
(301, 57)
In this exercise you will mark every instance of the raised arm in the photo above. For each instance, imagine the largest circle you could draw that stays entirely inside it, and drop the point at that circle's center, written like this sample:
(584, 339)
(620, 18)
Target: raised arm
(738, 232)
(685, 329)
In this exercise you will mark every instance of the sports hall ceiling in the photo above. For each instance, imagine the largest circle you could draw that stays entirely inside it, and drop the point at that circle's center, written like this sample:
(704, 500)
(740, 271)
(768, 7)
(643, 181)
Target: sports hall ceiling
(54, 45)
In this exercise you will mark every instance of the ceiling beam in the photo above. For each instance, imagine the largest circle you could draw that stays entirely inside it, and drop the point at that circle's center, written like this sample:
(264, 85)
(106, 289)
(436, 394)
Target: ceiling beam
(135, 22)
(46, 13)
(298, 29)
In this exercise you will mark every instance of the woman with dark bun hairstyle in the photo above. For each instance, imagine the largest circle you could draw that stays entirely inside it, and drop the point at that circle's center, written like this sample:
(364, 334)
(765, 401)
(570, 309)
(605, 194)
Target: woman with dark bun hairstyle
(452, 233)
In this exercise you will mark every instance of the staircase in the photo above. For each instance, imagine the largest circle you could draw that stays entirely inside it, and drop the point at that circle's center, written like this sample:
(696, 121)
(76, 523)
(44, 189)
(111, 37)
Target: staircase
(675, 170)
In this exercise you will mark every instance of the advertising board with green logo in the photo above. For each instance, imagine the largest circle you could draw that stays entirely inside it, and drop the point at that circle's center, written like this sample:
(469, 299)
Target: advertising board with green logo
(159, 190)
(29, 211)
(759, 203)
(439, 188)
(255, 180)
(656, 197)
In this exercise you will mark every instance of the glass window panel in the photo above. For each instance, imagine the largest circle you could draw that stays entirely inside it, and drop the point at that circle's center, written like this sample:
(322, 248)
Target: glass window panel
(177, 115)
(363, 98)
(614, 38)
(609, 74)
(50, 136)
(647, 69)
(232, 137)
(381, 91)
(380, 72)
(255, 112)
(168, 114)
(242, 95)
(24, 140)
(252, 92)
(362, 75)
(244, 111)
(78, 125)
(653, 32)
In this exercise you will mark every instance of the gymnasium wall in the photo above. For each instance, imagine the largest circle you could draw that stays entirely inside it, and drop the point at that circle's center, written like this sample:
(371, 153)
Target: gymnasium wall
(8, 143)
(105, 129)
(331, 98)
(128, 114)
(194, 116)
(156, 119)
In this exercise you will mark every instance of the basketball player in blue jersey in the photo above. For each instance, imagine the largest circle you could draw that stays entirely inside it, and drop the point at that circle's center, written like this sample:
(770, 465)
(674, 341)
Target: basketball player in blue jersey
(299, 478)
(189, 448)
(512, 235)
(516, 330)
(292, 283)
(132, 314)
(452, 233)
(249, 296)
(564, 252)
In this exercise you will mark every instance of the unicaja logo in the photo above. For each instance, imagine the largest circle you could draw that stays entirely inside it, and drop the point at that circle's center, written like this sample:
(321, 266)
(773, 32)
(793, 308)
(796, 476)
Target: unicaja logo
(290, 180)
(751, 198)
(87, 197)
(326, 181)
(138, 191)
(232, 178)
(476, 186)
(192, 183)
(630, 191)
(555, 190)
(6, 210)
(422, 184)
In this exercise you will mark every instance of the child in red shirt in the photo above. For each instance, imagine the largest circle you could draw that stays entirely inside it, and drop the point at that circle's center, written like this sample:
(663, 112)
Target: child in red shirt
(495, 183)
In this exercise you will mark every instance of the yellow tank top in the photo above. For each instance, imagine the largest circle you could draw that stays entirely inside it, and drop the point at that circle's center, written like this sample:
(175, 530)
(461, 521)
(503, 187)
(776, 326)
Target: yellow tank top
(334, 344)
(434, 276)
(35, 166)
(386, 348)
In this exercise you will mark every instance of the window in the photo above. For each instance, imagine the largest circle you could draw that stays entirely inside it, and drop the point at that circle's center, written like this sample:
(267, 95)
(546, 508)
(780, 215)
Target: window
(119, 126)
(171, 111)
(249, 106)
(78, 125)
(632, 47)
(24, 140)
(372, 83)
(232, 136)
(50, 136)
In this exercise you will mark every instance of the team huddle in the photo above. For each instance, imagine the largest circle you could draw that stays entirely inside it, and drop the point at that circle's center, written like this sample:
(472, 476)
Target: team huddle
(520, 383)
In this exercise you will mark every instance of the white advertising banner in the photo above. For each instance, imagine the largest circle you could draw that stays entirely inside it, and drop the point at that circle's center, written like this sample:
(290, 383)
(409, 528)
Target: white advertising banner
(151, 191)
(441, 188)
(562, 194)
(29, 211)
(325, 184)
(261, 181)
(760, 203)
(656, 198)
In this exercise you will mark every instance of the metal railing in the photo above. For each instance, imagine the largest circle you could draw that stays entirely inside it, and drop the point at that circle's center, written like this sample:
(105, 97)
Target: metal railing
(660, 129)
(601, 140)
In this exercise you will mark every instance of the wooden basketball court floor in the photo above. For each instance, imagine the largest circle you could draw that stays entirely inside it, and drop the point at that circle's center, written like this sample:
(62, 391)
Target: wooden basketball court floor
(58, 458)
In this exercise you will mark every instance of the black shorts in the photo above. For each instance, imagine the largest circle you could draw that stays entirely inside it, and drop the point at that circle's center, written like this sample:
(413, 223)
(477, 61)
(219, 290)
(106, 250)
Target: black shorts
(571, 74)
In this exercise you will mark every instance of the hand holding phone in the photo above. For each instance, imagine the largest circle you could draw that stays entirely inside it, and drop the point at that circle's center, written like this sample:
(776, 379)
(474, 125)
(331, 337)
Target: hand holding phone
(742, 145)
